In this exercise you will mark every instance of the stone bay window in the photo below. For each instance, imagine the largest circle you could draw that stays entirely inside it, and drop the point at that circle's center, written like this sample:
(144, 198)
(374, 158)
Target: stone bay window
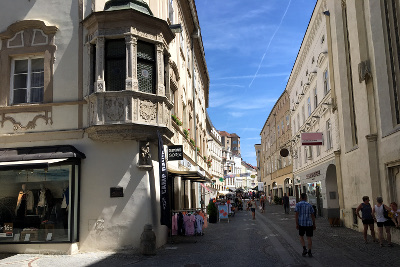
(128, 60)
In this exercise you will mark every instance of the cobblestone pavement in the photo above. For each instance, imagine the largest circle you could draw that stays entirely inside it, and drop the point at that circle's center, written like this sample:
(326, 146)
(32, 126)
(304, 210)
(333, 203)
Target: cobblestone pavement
(270, 240)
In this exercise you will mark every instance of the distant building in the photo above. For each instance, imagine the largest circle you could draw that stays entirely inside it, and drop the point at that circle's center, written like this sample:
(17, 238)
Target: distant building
(231, 142)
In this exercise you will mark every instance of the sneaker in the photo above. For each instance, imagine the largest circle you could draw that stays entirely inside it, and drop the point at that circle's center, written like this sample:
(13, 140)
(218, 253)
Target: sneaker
(309, 254)
(304, 252)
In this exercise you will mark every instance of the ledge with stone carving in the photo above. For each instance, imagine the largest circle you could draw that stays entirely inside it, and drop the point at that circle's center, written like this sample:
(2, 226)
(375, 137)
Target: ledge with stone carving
(129, 115)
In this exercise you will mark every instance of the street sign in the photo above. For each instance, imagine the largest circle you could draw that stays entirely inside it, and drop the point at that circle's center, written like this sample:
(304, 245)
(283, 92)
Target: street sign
(312, 139)
(175, 152)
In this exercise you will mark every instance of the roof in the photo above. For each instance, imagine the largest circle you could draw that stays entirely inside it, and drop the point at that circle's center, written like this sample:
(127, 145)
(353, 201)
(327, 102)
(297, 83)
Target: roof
(138, 5)
(223, 133)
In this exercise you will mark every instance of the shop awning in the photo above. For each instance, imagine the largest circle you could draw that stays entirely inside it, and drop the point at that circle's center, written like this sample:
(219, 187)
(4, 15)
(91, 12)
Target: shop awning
(194, 176)
(36, 157)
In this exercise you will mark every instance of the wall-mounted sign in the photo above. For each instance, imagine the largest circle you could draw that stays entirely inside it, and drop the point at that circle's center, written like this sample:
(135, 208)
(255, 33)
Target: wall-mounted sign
(313, 174)
(312, 139)
(116, 192)
(175, 152)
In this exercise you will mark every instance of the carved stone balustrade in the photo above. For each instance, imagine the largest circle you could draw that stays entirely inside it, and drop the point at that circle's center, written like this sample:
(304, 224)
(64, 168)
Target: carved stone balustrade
(128, 115)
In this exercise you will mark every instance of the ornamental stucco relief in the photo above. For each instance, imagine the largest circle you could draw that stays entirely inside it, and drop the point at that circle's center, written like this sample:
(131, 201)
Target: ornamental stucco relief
(148, 111)
(114, 108)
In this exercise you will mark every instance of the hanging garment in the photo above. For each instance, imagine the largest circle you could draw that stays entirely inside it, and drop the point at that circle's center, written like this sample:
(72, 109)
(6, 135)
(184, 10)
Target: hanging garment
(199, 224)
(181, 229)
(189, 221)
(174, 224)
(28, 196)
(204, 218)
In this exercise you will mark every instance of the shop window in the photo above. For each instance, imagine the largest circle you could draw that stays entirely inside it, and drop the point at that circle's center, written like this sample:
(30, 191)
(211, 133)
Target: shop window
(27, 80)
(326, 85)
(39, 205)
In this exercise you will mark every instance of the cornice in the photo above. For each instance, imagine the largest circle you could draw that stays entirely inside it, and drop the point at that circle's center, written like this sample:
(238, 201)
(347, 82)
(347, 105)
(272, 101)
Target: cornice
(27, 24)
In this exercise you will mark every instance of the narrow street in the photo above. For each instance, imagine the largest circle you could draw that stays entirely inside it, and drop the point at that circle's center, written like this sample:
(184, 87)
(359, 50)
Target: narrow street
(270, 240)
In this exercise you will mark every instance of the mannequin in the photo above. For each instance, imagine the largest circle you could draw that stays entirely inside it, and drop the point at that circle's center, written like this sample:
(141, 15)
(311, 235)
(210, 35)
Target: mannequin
(42, 201)
(24, 202)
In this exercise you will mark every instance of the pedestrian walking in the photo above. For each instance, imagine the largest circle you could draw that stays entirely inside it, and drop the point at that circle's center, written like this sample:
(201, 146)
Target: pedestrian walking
(253, 206)
(285, 201)
(305, 223)
(366, 217)
(269, 199)
(381, 221)
(262, 203)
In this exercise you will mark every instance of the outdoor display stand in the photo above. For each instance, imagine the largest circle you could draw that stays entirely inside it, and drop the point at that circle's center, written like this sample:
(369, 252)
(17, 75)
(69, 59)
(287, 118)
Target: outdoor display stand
(223, 212)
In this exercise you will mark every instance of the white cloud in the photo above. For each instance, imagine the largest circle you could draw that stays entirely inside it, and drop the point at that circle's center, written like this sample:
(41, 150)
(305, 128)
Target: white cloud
(252, 76)
(236, 114)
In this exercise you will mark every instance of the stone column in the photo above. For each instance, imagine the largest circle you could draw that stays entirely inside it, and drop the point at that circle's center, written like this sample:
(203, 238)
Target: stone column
(160, 70)
(374, 165)
(338, 165)
(131, 82)
(100, 84)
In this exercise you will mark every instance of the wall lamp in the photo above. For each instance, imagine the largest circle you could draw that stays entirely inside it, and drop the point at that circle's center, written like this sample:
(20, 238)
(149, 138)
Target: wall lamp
(176, 28)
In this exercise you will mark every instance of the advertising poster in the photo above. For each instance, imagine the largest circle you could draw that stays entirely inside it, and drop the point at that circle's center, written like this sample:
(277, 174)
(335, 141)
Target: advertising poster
(223, 211)
(292, 202)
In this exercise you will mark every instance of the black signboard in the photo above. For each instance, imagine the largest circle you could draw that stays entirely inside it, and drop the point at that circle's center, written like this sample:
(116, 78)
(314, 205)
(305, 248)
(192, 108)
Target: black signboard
(175, 152)
(116, 192)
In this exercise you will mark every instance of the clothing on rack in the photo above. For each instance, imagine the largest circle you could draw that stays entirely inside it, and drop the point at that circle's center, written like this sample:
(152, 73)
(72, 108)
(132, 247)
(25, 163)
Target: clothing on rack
(199, 224)
(189, 221)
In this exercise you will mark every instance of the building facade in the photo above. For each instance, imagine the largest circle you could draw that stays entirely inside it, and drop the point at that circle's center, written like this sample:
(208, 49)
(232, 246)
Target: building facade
(366, 96)
(309, 85)
(87, 95)
(276, 170)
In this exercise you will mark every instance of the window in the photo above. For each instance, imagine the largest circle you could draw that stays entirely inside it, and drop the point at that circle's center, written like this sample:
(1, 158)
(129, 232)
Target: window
(315, 98)
(309, 106)
(294, 125)
(318, 148)
(310, 152)
(31, 196)
(115, 68)
(146, 67)
(349, 75)
(393, 49)
(283, 126)
(27, 80)
(298, 121)
(305, 155)
(326, 79)
(299, 153)
(287, 120)
(171, 11)
(328, 135)
(278, 130)
(303, 114)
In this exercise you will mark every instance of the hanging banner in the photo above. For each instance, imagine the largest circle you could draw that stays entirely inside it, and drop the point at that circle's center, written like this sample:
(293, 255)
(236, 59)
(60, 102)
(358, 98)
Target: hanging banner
(164, 199)
(260, 186)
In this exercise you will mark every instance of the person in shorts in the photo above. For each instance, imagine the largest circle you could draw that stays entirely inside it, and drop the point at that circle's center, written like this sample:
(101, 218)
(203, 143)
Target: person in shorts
(366, 217)
(253, 206)
(305, 223)
(381, 221)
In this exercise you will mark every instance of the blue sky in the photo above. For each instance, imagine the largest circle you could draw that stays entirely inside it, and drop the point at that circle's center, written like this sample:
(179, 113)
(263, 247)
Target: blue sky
(250, 49)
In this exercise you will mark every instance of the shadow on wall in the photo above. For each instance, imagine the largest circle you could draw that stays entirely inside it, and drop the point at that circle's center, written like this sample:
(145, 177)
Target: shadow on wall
(117, 223)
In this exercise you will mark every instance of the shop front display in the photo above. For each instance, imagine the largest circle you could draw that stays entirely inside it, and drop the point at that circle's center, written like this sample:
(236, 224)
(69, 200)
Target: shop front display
(38, 202)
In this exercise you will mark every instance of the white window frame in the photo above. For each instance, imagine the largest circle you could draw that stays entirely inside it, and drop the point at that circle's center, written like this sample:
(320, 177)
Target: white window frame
(315, 98)
(328, 135)
(28, 86)
(326, 79)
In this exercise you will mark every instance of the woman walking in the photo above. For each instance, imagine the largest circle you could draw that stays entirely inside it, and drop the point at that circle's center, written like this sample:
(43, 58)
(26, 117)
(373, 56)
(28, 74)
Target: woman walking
(253, 206)
(381, 221)
(366, 217)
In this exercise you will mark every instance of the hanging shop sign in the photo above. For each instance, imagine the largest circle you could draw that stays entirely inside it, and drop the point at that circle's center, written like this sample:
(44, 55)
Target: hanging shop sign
(312, 139)
(175, 152)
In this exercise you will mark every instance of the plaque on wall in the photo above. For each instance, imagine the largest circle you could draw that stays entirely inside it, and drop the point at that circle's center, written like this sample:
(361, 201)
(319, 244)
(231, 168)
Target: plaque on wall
(116, 192)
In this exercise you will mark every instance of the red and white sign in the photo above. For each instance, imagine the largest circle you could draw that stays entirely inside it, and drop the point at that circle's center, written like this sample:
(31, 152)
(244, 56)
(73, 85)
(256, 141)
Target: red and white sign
(312, 139)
